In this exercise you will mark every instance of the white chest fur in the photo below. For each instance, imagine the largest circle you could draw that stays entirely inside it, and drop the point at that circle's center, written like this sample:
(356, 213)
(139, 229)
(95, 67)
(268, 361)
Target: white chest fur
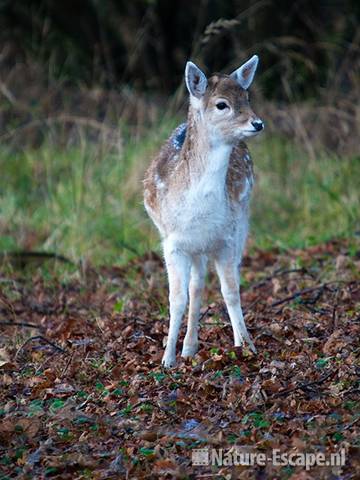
(200, 217)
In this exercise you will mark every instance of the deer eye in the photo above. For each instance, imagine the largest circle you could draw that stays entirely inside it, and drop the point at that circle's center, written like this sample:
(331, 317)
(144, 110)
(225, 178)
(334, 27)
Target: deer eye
(222, 105)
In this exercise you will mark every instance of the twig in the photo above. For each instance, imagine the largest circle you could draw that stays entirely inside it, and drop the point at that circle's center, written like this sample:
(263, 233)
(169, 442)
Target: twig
(47, 360)
(40, 337)
(304, 385)
(297, 294)
(8, 306)
(67, 365)
(351, 424)
(350, 391)
(312, 289)
(154, 404)
(251, 305)
(268, 333)
(334, 320)
(278, 273)
(204, 313)
(21, 324)
(86, 401)
(46, 255)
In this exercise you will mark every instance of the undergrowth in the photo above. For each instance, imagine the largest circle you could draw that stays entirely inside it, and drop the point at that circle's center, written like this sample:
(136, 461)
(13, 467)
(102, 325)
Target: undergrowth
(85, 202)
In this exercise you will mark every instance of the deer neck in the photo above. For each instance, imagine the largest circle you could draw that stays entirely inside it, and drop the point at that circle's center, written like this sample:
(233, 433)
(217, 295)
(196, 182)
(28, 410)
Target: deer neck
(204, 154)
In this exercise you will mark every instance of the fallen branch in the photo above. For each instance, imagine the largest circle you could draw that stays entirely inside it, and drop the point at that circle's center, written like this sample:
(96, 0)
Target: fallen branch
(304, 386)
(169, 413)
(298, 294)
(21, 324)
(351, 391)
(203, 315)
(24, 255)
(67, 365)
(351, 424)
(40, 337)
(278, 273)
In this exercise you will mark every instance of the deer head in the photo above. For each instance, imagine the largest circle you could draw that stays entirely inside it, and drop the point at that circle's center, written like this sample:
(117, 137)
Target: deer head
(221, 103)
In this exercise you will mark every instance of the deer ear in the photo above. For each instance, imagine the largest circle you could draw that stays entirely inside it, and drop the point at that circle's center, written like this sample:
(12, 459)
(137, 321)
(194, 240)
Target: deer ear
(244, 75)
(195, 80)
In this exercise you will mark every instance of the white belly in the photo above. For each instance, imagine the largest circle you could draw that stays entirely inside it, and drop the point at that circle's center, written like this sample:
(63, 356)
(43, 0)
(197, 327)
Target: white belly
(200, 220)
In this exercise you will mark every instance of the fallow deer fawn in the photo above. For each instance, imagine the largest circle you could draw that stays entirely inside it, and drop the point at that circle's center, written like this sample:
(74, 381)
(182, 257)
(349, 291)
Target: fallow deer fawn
(197, 193)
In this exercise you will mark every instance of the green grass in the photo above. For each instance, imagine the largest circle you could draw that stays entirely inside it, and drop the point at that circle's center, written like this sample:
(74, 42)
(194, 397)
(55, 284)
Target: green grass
(300, 201)
(86, 202)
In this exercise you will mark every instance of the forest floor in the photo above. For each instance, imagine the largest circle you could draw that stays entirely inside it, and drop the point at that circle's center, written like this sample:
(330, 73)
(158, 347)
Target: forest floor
(83, 395)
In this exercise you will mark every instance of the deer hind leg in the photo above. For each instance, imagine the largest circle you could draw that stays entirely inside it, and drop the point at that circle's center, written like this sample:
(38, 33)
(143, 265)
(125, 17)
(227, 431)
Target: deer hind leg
(228, 272)
(178, 269)
(197, 282)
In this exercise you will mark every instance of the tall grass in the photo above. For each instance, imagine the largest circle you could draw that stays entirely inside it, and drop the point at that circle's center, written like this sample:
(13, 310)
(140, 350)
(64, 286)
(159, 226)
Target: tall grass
(301, 200)
(85, 202)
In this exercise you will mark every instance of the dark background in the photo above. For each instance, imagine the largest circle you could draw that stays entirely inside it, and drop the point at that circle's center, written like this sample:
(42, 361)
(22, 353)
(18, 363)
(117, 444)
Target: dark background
(302, 43)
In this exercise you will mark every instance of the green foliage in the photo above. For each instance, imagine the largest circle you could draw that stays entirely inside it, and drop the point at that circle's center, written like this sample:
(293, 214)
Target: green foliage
(35, 407)
(118, 305)
(256, 419)
(235, 371)
(146, 451)
(56, 404)
(87, 204)
(73, 202)
(300, 201)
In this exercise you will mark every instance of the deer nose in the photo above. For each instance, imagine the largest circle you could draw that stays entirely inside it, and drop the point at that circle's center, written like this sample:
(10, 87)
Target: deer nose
(258, 125)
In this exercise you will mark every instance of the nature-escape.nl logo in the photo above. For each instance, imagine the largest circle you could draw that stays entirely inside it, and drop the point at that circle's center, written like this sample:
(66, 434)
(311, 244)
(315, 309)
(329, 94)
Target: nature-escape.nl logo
(237, 456)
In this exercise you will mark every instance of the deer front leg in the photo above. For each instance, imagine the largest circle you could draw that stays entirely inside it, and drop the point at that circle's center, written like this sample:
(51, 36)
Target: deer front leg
(227, 270)
(197, 281)
(178, 269)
